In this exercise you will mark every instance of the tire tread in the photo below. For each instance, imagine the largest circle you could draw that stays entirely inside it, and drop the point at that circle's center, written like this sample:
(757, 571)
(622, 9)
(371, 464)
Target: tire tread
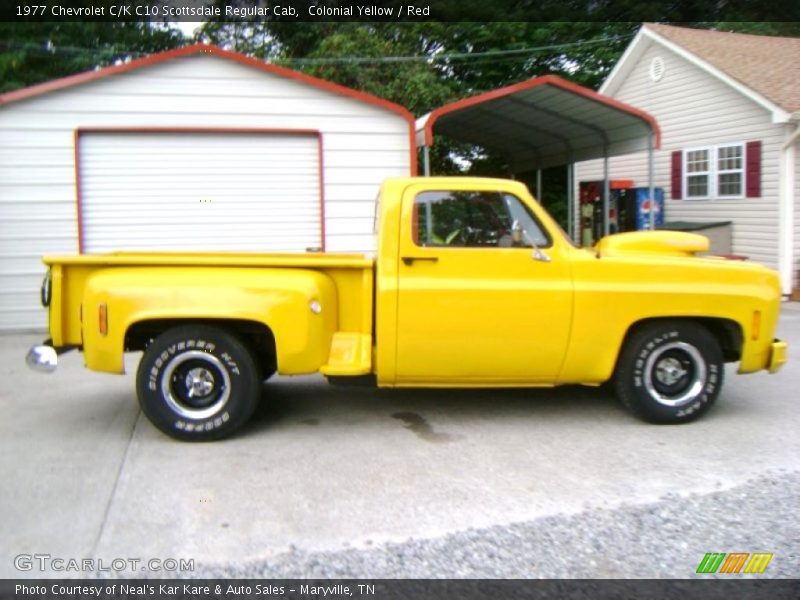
(694, 332)
(247, 367)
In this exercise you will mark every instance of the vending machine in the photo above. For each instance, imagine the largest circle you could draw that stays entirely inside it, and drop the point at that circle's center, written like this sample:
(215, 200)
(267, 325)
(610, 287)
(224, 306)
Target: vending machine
(628, 209)
(643, 206)
(592, 221)
(590, 199)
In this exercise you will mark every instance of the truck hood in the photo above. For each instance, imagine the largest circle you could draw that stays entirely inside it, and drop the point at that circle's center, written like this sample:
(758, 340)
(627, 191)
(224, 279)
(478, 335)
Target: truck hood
(670, 243)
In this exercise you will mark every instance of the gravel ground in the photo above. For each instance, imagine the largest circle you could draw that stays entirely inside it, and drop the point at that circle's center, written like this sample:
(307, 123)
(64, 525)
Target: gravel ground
(666, 539)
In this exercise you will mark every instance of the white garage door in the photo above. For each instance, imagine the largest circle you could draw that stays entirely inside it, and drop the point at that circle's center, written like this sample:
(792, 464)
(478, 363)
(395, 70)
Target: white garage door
(168, 190)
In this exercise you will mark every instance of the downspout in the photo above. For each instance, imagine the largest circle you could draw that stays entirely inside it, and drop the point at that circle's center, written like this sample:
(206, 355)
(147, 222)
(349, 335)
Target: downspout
(786, 208)
(606, 192)
(651, 174)
(573, 219)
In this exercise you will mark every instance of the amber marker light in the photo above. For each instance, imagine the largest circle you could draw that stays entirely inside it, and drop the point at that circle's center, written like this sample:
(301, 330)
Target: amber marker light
(755, 330)
(102, 318)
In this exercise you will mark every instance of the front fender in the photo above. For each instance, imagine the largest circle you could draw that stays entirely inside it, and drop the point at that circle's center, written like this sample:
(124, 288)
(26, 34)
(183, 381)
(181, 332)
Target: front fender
(281, 299)
(615, 294)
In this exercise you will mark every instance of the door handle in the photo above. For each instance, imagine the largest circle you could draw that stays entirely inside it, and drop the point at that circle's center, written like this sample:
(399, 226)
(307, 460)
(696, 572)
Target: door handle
(409, 260)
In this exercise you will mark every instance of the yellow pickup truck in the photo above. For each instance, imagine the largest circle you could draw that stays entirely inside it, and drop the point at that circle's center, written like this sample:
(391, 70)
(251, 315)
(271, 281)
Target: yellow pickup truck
(473, 285)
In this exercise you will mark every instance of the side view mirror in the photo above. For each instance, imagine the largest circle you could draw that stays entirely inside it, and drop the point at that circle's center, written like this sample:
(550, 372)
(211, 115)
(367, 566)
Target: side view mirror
(539, 255)
(518, 234)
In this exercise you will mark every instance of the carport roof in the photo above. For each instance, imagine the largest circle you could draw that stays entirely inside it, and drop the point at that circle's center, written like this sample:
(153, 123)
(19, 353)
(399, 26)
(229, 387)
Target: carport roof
(543, 122)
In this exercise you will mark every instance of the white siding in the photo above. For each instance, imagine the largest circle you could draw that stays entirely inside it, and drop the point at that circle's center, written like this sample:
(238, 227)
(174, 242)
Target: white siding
(695, 109)
(362, 145)
(796, 203)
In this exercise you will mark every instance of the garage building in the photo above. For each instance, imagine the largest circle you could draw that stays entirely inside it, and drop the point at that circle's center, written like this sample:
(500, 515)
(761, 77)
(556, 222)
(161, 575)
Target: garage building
(193, 149)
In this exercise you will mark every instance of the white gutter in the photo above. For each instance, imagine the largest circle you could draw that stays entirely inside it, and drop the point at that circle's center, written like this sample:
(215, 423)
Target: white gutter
(786, 215)
(420, 129)
(621, 63)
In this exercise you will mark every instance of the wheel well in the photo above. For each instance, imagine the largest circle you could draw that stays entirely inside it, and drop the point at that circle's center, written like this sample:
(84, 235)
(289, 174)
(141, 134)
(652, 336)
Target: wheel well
(728, 333)
(258, 338)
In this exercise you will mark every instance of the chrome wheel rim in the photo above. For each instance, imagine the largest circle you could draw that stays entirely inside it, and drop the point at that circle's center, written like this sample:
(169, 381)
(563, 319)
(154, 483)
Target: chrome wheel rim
(675, 374)
(195, 385)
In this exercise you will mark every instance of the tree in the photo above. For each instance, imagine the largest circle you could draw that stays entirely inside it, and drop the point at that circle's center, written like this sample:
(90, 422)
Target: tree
(32, 53)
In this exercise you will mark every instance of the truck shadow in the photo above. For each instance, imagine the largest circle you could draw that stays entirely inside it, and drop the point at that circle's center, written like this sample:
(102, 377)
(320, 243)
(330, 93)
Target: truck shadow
(310, 402)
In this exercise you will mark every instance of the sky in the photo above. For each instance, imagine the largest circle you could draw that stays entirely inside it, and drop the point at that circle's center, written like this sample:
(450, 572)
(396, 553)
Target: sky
(187, 27)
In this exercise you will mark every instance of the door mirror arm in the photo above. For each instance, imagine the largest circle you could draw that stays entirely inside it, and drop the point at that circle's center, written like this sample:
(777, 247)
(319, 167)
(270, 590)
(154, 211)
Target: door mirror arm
(518, 233)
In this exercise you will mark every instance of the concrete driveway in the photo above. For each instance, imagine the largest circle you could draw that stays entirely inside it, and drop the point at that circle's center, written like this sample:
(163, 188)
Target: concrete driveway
(323, 469)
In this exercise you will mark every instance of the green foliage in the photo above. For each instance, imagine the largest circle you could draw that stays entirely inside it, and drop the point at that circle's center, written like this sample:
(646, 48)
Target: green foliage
(554, 191)
(253, 38)
(416, 84)
(503, 53)
(32, 53)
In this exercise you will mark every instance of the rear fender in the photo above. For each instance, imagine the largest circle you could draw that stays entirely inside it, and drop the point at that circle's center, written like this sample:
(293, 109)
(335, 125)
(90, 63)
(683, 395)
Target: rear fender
(298, 306)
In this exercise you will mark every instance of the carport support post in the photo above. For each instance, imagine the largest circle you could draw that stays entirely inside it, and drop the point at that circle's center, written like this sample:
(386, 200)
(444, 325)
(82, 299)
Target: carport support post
(570, 201)
(606, 188)
(426, 160)
(651, 168)
(539, 185)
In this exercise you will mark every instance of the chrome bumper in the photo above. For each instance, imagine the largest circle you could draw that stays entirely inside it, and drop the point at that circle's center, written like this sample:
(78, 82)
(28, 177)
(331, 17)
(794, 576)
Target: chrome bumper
(42, 358)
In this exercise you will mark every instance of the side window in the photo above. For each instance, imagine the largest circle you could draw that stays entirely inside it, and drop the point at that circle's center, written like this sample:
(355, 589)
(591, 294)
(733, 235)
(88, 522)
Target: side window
(474, 220)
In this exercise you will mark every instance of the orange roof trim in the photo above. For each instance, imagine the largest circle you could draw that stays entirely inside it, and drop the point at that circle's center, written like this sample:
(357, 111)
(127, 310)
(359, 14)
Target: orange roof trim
(154, 59)
(553, 80)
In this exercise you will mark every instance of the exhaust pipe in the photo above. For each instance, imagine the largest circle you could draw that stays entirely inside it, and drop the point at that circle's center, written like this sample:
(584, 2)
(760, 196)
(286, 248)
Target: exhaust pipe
(43, 359)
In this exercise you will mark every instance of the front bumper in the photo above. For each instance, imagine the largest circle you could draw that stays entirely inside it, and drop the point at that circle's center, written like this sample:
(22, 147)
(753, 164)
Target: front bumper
(777, 356)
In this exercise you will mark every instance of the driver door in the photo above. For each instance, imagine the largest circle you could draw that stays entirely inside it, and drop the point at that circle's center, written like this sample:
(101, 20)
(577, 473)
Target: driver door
(474, 306)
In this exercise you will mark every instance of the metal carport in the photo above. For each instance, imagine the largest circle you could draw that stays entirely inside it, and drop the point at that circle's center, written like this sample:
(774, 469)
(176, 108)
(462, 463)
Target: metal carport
(545, 122)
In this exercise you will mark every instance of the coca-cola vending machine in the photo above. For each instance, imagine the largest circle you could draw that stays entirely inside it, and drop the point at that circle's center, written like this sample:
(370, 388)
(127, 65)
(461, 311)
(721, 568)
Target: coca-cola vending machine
(592, 222)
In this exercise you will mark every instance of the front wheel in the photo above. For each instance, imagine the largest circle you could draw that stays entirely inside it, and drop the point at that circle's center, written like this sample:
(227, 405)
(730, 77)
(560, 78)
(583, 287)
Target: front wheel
(669, 372)
(197, 383)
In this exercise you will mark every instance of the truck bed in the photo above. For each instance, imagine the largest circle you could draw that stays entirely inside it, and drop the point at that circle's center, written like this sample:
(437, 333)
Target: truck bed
(200, 285)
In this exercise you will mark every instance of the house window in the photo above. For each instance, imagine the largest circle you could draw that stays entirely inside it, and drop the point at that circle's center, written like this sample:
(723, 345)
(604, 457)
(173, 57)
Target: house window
(697, 173)
(714, 172)
(730, 171)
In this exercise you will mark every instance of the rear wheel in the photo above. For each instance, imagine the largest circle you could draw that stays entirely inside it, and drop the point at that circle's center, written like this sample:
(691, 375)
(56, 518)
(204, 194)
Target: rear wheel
(670, 372)
(198, 383)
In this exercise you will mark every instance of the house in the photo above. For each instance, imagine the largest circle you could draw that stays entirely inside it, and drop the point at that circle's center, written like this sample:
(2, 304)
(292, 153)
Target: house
(728, 105)
(192, 149)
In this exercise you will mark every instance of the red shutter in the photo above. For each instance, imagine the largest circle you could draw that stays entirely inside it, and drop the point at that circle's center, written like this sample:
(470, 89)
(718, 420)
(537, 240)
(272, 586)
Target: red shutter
(753, 170)
(677, 180)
